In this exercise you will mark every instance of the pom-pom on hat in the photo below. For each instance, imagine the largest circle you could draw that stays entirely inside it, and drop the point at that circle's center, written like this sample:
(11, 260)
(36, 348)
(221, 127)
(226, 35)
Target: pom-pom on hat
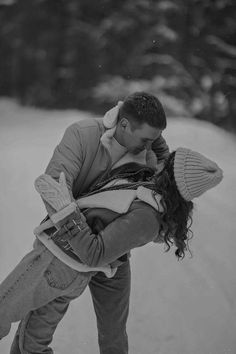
(194, 173)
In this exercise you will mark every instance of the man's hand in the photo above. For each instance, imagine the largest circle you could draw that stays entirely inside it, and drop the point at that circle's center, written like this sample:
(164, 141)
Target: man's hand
(54, 193)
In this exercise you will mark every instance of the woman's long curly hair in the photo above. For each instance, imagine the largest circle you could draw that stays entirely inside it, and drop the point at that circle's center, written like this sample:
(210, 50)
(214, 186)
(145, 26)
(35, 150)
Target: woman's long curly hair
(176, 217)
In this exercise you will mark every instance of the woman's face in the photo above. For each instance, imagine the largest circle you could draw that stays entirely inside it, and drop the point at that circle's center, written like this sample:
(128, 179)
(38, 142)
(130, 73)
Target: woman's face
(159, 167)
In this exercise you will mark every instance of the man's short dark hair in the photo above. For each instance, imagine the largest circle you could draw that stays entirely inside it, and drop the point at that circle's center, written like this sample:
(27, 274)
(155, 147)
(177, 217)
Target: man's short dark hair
(142, 107)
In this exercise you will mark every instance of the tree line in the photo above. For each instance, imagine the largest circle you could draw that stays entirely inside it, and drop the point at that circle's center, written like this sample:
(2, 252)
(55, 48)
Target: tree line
(88, 54)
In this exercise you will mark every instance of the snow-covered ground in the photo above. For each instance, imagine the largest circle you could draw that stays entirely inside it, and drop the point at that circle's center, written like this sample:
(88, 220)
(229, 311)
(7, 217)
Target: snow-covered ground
(186, 307)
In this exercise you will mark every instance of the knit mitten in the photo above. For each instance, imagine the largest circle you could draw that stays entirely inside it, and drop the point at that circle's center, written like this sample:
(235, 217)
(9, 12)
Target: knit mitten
(54, 193)
(57, 195)
(63, 211)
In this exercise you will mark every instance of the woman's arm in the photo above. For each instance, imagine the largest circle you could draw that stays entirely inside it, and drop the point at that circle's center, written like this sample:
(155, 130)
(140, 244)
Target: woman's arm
(135, 228)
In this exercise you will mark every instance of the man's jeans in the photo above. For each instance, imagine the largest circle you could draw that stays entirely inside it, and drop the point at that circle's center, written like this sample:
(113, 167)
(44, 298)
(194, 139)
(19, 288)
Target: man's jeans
(38, 292)
(111, 304)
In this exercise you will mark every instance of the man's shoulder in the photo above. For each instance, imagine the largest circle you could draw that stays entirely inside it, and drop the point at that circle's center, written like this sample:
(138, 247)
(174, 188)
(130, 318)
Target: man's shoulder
(96, 123)
(90, 128)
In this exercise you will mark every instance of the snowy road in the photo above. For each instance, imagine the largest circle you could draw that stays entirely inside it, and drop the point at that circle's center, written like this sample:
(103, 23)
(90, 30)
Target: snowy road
(186, 307)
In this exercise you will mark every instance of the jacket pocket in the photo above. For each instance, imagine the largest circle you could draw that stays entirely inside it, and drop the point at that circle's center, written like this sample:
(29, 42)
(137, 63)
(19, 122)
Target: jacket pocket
(59, 275)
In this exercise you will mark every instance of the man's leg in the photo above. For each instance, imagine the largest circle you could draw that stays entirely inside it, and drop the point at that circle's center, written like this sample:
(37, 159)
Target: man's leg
(111, 304)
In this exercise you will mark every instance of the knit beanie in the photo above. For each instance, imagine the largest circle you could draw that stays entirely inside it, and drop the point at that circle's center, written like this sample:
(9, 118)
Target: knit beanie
(194, 173)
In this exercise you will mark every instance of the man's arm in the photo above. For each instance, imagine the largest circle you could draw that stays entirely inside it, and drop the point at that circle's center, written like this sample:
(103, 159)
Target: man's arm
(67, 156)
(133, 229)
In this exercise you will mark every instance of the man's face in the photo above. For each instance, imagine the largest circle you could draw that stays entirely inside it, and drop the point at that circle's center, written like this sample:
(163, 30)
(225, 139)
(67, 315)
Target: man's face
(137, 137)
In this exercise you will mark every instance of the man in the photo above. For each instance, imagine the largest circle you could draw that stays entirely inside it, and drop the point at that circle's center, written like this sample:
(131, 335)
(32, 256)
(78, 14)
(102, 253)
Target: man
(89, 149)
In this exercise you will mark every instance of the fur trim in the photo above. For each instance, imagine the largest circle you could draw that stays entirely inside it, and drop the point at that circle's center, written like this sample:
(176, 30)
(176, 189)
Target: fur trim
(146, 195)
(111, 116)
(120, 200)
(117, 200)
(63, 213)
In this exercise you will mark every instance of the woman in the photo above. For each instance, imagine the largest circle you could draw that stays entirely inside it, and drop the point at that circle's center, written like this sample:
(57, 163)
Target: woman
(146, 206)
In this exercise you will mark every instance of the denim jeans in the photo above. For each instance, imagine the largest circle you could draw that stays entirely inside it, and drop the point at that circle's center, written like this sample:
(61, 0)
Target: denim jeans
(111, 304)
(38, 292)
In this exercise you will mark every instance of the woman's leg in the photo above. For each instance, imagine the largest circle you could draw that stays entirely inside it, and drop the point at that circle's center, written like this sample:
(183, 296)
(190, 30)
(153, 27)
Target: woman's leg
(36, 330)
(38, 291)
(17, 291)
(111, 304)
